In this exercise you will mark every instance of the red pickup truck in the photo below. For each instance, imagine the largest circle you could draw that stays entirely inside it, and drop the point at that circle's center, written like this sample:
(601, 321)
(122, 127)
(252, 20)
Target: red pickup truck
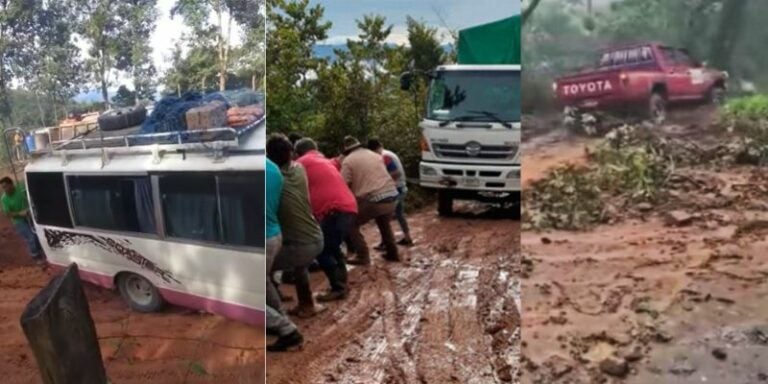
(643, 77)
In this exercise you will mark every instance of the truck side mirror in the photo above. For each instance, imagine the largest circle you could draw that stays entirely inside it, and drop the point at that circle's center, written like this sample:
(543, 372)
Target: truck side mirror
(406, 79)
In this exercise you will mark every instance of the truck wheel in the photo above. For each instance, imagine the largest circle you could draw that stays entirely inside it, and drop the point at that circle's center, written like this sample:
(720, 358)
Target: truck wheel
(657, 108)
(140, 294)
(444, 203)
(717, 96)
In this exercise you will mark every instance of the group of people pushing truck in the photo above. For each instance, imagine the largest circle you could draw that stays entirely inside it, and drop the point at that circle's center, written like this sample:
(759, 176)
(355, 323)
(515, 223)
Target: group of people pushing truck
(314, 205)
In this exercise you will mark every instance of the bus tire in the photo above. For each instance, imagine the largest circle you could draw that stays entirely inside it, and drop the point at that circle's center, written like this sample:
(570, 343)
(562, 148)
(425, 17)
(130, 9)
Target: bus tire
(444, 203)
(139, 293)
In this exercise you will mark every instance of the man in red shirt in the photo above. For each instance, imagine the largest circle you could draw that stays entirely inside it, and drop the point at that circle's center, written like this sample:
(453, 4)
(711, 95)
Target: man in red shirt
(335, 208)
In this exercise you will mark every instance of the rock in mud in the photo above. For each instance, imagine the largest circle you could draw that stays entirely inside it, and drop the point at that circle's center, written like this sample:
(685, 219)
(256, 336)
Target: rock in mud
(504, 373)
(636, 354)
(644, 207)
(614, 366)
(719, 354)
(682, 367)
(678, 218)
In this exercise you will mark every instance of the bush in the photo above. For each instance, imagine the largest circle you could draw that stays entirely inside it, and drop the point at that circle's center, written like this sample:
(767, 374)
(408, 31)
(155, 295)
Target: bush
(568, 198)
(747, 117)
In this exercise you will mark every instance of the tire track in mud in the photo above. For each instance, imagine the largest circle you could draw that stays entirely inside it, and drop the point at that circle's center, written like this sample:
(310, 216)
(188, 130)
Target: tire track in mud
(447, 314)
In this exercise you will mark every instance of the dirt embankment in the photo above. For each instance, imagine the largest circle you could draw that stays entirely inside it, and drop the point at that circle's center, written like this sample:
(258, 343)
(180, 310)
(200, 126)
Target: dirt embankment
(675, 294)
(447, 314)
(176, 346)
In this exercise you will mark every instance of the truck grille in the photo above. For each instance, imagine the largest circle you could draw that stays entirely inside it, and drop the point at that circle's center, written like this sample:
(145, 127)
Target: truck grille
(469, 151)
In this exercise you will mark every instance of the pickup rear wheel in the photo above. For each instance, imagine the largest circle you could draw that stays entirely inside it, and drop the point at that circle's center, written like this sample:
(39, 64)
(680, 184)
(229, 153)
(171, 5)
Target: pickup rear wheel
(657, 108)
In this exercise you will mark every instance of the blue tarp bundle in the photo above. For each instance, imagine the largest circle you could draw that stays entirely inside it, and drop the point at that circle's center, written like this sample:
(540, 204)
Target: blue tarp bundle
(169, 114)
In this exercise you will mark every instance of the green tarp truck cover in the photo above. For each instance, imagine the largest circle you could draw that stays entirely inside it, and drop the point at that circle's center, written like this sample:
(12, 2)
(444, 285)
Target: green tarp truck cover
(493, 43)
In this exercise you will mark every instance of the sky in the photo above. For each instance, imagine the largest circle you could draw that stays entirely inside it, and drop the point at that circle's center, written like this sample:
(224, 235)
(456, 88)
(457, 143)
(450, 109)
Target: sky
(457, 14)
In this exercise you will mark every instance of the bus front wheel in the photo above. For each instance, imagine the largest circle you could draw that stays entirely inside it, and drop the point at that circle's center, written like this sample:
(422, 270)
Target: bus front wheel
(140, 294)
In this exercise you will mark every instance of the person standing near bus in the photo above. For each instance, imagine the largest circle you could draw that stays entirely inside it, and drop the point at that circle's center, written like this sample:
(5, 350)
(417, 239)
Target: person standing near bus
(288, 334)
(16, 207)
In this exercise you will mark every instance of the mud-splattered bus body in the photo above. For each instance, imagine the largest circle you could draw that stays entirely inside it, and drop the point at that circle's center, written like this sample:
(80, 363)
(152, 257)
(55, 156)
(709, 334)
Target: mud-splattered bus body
(173, 217)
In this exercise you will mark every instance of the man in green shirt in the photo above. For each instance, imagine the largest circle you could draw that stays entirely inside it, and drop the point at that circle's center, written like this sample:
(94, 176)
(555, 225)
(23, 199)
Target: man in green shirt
(16, 207)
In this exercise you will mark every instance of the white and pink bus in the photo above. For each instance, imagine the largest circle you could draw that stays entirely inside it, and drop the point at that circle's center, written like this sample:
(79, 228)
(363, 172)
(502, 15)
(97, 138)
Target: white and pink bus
(175, 217)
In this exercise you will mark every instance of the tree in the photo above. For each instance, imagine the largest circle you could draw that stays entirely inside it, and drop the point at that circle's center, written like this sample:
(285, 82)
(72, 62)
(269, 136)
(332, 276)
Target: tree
(425, 49)
(528, 11)
(103, 29)
(140, 17)
(17, 29)
(294, 28)
(252, 58)
(55, 73)
(728, 31)
(124, 97)
(196, 15)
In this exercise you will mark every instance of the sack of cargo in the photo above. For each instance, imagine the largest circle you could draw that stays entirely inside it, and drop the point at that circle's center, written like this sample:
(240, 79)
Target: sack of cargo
(207, 116)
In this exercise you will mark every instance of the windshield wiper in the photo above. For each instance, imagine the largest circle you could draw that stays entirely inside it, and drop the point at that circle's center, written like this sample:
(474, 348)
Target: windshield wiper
(493, 116)
(443, 123)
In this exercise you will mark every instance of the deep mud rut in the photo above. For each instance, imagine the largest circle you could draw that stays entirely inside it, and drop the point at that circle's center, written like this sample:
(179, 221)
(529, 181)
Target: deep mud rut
(175, 346)
(680, 303)
(447, 314)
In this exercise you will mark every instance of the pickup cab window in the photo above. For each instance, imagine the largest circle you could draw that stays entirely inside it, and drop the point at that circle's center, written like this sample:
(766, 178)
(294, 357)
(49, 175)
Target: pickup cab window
(678, 57)
(635, 55)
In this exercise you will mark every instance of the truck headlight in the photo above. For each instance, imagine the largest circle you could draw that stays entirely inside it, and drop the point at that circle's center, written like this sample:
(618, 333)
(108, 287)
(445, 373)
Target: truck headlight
(513, 174)
(428, 171)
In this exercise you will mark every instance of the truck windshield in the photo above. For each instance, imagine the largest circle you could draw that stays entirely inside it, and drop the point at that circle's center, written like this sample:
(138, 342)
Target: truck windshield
(482, 95)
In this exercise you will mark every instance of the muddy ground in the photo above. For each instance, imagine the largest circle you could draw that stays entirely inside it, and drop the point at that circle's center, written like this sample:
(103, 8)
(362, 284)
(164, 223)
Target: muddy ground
(447, 314)
(176, 346)
(656, 297)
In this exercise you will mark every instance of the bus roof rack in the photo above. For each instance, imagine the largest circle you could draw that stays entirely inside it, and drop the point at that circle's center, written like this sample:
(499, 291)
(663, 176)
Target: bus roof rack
(95, 142)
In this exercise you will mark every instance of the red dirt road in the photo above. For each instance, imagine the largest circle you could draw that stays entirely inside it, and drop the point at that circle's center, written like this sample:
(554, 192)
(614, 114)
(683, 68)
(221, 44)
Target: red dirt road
(447, 314)
(176, 346)
(680, 303)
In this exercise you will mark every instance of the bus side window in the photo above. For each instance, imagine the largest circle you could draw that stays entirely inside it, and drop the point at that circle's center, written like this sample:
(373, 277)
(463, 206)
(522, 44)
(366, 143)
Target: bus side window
(113, 203)
(190, 206)
(242, 208)
(49, 199)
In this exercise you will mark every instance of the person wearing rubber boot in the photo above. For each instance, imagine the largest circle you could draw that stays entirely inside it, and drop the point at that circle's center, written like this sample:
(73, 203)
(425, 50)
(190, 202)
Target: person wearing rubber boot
(16, 206)
(397, 171)
(376, 193)
(288, 334)
(335, 207)
(302, 236)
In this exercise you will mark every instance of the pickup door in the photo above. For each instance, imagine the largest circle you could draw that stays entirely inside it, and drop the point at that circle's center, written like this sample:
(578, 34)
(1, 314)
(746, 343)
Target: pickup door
(684, 80)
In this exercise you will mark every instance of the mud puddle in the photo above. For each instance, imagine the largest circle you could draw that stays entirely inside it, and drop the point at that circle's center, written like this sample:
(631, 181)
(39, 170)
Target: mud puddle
(447, 314)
